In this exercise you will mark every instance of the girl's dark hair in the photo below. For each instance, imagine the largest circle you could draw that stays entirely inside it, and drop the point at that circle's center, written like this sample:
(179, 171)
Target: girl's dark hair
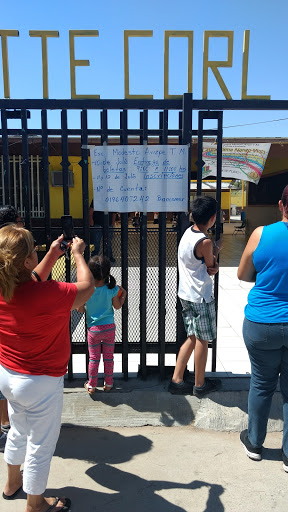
(8, 214)
(100, 268)
(284, 200)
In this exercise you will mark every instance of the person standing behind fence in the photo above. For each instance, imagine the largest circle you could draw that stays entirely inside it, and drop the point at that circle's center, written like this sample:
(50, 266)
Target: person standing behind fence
(265, 328)
(196, 263)
(100, 321)
(96, 220)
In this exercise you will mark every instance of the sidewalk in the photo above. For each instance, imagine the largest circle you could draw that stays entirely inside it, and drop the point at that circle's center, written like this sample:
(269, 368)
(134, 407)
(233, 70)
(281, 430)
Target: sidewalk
(153, 469)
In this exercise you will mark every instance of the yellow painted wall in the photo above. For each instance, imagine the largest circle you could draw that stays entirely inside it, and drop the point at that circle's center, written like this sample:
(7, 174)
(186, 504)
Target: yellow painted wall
(236, 198)
(225, 200)
(75, 193)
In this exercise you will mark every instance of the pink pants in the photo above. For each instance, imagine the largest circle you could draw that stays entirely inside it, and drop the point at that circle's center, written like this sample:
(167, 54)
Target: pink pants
(101, 335)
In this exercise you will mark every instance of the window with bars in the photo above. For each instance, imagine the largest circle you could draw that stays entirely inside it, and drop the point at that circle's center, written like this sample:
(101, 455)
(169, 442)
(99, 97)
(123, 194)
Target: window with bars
(16, 187)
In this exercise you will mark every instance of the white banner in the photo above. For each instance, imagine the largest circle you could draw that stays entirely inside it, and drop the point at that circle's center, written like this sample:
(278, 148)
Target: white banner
(240, 161)
(140, 178)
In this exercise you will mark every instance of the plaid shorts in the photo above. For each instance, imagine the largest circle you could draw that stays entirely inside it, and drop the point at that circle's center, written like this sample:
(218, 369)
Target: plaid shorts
(199, 319)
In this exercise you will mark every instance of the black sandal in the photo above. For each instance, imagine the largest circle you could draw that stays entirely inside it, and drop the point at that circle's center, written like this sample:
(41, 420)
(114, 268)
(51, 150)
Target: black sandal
(65, 507)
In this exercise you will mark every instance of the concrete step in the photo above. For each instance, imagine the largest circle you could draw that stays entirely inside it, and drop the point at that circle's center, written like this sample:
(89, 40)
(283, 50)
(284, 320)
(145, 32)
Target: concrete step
(138, 403)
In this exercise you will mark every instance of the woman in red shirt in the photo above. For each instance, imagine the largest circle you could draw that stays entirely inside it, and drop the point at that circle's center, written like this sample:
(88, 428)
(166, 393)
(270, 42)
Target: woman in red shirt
(34, 352)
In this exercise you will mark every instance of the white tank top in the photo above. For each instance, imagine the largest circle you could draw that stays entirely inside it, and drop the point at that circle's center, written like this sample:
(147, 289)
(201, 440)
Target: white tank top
(195, 284)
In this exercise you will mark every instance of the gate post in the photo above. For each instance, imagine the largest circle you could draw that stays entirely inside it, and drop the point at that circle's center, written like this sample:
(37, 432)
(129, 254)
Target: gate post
(183, 218)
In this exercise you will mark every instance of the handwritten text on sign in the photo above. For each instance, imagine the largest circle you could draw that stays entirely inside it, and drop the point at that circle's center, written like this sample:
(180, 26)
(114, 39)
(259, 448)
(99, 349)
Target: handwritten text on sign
(140, 178)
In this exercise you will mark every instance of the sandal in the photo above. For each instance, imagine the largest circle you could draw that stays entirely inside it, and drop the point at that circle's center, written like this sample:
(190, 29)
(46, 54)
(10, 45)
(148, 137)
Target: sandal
(89, 388)
(12, 496)
(107, 388)
(65, 507)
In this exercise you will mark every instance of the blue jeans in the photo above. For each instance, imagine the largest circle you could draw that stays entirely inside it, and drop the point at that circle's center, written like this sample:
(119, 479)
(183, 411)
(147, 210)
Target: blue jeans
(267, 346)
(96, 237)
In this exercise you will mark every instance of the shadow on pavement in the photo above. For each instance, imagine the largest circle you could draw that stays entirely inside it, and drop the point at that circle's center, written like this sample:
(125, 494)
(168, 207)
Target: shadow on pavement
(99, 446)
(135, 492)
(130, 492)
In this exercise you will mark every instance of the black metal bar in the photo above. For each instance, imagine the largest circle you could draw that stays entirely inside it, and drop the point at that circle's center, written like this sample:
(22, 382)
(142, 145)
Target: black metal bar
(142, 104)
(65, 162)
(218, 226)
(114, 132)
(162, 265)
(6, 164)
(104, 140)
(65, 173)
(85, 201)
(45, 167)
(187, 140)
(25, 169)
(180, 127)
(143, 295)
(124, 261)
(143, 266)
(91, 104)
(183, 219)
(200, 161)
(85, 182)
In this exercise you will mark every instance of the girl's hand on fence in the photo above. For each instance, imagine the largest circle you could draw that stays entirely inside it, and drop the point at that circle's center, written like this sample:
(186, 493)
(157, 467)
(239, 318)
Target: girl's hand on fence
(123, 294)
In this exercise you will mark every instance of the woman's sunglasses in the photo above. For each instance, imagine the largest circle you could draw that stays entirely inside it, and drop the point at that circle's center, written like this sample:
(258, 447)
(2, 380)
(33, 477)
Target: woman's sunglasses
(36, 247)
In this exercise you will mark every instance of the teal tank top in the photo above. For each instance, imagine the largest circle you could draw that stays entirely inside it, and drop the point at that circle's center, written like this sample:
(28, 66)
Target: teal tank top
(268, 299)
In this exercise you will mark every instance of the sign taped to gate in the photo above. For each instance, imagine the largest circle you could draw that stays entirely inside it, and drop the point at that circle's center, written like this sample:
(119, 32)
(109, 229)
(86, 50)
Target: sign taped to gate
(240, 161)
(140, 178)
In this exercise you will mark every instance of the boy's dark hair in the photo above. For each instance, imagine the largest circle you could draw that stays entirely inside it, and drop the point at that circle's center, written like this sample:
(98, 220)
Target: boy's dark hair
(203, 208)
(8, 214)
(100, 268)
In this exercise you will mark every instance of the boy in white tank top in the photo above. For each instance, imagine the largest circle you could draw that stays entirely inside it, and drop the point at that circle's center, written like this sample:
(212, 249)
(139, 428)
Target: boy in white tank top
(197, 262)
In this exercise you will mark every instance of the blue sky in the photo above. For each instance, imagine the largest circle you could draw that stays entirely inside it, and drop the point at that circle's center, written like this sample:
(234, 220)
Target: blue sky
(268, 70)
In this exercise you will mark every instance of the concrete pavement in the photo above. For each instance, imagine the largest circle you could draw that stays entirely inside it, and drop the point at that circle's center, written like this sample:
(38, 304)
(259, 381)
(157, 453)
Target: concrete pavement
(118, 452)
(153, 469)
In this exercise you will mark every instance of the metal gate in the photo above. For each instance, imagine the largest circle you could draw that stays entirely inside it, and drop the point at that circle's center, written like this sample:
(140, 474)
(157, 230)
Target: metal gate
(156, 313)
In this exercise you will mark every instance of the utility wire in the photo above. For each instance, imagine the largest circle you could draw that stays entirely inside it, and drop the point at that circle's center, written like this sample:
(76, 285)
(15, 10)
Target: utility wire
(259, 122)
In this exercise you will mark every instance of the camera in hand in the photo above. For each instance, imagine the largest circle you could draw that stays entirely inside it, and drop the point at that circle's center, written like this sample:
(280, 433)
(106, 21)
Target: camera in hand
(67, 230)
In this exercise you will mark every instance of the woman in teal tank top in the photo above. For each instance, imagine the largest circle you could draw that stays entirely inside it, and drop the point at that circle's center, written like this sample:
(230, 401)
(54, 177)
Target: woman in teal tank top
(265, 328)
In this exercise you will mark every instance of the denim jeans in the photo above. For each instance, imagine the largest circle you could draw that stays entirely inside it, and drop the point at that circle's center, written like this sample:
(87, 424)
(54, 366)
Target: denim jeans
(96, 237)
(267, 346)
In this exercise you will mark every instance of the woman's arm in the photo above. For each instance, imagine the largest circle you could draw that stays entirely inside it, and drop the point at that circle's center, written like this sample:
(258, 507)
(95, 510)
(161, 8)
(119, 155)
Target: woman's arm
(246, 269)
(85, 281)
(205, 249)
(119, 301)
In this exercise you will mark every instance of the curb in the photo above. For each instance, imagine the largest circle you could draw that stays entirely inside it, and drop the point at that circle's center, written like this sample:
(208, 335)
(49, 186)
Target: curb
(137, 403)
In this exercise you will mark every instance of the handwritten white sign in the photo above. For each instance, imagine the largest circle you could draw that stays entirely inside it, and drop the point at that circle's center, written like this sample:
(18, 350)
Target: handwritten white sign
(140, 178)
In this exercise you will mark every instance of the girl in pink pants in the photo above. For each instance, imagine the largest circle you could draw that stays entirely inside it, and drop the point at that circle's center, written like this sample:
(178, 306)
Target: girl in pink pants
(100, 321)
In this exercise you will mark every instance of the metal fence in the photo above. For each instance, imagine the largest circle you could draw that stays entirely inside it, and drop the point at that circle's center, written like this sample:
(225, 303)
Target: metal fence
(146, 258)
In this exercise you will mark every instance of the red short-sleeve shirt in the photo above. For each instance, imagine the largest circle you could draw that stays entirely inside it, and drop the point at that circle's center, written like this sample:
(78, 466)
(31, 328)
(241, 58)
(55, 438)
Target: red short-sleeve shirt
(34, 328)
